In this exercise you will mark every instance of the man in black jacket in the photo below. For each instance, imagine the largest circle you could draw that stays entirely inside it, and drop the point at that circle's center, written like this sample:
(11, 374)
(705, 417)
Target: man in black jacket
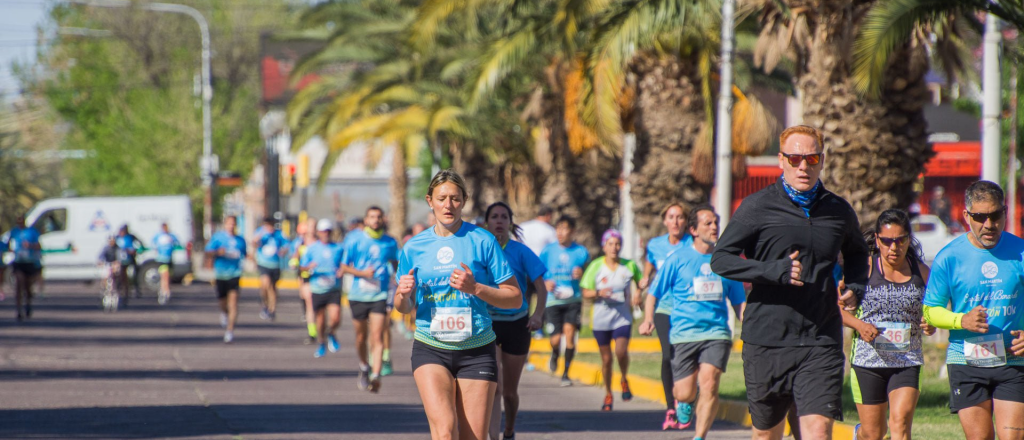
(792, 233)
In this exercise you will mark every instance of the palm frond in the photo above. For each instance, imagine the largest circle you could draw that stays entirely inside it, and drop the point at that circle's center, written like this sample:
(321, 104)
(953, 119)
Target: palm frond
(429, 18)
(502, 57)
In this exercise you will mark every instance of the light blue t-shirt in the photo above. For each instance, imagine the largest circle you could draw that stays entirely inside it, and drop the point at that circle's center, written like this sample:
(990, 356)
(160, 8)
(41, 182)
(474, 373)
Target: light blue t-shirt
(24, 243)
(658, 250)
(699, 312)
(229, 265)
(324, 277)
(434, 259)
(363, 252)
(560, 262)
(164, 243)
(526, 267)
(993, 278)
(270, 245)
(126, 248)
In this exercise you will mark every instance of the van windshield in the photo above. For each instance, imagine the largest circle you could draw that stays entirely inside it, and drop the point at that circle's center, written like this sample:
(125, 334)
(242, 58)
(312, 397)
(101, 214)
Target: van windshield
(51, 221)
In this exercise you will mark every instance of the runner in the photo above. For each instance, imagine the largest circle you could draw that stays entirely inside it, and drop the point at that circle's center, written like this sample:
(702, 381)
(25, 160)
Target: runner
(28, 258)
(304, 236)
(512, 327)
(165, 242)
(369, 256)
(980, 273)
(701, 339)
(228, 249)
(322, 261)
(565, 261)
(538, 233)
(5, 247)
(450, 273)
(887, 358)
(658, 250)
(129, 247)
(270, 247)
(791, 234)
(610, 281)
(113, 284)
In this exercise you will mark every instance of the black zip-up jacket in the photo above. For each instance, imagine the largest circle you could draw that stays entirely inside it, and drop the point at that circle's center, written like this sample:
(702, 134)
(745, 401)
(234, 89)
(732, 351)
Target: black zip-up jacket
(767, 228)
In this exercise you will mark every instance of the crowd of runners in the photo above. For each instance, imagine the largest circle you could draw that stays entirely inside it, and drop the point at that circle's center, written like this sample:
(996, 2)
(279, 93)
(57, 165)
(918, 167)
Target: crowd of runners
(793, 265)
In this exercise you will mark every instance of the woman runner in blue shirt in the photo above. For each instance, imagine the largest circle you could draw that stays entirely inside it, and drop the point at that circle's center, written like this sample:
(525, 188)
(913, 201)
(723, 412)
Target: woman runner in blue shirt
(450, 273)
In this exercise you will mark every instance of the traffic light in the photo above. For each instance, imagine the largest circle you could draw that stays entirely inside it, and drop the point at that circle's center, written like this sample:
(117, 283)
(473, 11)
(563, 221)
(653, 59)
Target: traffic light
(302, 171)
(287, 175)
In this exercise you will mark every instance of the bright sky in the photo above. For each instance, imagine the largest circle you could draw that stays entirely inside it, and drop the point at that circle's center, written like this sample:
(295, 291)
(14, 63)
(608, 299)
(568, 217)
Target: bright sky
(18, 20)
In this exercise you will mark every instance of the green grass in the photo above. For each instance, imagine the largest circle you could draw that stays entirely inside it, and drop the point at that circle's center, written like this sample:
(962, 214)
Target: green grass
(932, 419)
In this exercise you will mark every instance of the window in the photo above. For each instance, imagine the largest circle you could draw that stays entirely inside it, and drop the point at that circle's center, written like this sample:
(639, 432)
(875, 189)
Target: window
(53, 220)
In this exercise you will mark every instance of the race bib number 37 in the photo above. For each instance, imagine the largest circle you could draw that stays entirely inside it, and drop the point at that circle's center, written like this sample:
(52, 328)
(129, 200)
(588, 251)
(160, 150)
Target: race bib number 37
(707, 289)
(985, 351)
(452, 324)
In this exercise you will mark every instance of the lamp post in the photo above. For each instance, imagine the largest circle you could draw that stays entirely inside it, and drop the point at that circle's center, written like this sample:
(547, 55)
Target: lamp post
(208, 163)
(723, 133)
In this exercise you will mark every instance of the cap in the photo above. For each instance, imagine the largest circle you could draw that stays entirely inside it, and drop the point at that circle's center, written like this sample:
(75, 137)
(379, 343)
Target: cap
(324, 225)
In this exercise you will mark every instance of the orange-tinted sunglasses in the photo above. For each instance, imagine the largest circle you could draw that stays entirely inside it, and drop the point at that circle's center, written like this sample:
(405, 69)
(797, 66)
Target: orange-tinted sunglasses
(795, 159)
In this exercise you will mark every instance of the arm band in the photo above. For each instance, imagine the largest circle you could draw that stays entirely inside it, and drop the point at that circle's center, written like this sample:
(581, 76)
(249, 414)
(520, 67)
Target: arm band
(941, 317)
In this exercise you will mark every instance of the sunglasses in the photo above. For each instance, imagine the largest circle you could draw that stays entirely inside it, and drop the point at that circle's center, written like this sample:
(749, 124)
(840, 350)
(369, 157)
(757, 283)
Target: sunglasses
(898, 241)
(795, 159)
(981, 217)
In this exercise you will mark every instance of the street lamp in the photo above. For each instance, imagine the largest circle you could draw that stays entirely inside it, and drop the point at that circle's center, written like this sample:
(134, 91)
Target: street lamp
(208, 164)
(723, 144)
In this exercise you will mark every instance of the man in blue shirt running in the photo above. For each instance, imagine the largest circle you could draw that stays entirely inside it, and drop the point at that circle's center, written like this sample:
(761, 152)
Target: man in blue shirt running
(565, 261)
(165, 243)
(228, 250)
(270, 248)
(982, 274)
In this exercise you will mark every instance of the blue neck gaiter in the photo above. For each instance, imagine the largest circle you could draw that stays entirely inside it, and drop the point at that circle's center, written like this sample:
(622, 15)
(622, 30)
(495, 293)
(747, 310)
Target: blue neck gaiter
(803, 199)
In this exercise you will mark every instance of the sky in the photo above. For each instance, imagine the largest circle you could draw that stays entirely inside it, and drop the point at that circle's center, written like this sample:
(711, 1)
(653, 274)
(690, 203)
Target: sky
(18, 20)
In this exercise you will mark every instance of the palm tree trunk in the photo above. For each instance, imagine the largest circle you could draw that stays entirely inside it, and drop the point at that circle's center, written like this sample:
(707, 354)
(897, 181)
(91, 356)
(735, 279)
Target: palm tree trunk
(397, 187)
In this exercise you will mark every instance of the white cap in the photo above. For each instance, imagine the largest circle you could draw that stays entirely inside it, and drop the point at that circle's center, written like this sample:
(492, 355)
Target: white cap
(324, 225)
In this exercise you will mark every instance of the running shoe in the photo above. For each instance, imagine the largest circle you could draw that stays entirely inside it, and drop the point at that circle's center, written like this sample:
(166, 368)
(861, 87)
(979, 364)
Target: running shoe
(385, 368)
(363, 381)
(553, 363)
(684, 413)
(228, 337)
(163, 297)
(855, 429)
(309, 340)
(566, 382)
(321, 350)
(332, 344)
(511, 436)
(607, 403)
(374, 383)
(670, 421)
(264, 314)
(272, 315)
(223, 320)
(626, 394)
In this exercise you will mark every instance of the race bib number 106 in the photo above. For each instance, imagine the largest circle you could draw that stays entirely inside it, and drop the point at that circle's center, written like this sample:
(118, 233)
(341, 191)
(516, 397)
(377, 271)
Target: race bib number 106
(452, 324)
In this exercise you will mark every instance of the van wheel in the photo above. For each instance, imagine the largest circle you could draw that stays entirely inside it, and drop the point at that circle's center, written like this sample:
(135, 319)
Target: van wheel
(149, 277)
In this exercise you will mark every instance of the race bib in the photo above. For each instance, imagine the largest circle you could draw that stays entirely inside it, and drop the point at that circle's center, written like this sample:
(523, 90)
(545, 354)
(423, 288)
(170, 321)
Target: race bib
(269, 250)
(892, 336)
(985, 351)
(452, 324)
(707, 289)
(325, 282)
(164, 240)
(564, 292)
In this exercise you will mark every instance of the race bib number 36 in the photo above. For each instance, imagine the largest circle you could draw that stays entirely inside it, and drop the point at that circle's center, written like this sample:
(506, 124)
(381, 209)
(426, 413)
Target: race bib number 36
(707, 289)
(985, 351)
(893, 336)
(452, 324)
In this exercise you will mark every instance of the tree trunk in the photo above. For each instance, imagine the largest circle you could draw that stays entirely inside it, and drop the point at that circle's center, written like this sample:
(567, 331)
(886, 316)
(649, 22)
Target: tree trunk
(398, 185)
(875, 148)
(668, 116)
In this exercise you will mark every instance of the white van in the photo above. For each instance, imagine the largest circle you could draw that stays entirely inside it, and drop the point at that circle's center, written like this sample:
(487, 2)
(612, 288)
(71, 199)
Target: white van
(75, 230)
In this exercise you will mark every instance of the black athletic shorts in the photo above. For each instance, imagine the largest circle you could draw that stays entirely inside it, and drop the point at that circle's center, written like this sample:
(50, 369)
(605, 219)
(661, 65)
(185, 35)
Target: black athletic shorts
(557, 316)
(273, 273)
(776, 377)
(361, 310)
(969, 386)
(476, 363)
(512, 336)
(321, 300)
(29, 269)
(871, 386)
(225, 286)
(687, 356)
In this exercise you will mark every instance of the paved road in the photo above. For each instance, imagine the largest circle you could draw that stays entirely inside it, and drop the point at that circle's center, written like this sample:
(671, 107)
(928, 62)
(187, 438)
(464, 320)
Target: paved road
(73, 371)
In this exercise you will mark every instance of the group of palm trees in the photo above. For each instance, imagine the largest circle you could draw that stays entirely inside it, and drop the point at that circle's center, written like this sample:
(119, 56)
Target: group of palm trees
(532, 99)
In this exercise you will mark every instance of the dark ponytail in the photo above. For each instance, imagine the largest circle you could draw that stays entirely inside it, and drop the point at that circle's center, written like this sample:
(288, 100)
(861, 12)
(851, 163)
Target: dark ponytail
(514, 229)
(900, 218)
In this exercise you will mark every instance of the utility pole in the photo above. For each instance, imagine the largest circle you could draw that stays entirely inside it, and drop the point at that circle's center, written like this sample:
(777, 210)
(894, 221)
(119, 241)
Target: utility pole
(723, 133)
(992, 105)
(208, 163)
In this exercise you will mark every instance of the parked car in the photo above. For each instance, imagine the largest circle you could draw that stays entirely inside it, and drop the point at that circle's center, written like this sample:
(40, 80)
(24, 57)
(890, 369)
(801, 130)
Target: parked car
(933, 235)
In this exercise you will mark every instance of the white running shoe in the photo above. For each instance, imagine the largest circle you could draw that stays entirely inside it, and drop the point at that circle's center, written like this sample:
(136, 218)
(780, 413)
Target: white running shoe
(228, 337)
(223, 320)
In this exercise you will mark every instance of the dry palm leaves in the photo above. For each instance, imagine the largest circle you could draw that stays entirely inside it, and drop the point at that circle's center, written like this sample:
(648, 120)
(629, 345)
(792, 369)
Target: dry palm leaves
(754, 128)
(581, 137)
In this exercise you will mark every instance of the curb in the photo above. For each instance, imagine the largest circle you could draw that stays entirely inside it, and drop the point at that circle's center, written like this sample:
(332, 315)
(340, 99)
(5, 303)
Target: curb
(636, 345)
(728, 410)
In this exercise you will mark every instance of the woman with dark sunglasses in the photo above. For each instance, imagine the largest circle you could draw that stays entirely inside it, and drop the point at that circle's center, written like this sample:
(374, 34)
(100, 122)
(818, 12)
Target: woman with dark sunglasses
(887, 355)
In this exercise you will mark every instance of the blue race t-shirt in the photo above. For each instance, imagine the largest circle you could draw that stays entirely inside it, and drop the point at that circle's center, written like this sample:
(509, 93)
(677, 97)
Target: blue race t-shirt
(526, 267)
(969, 277)
(164, 243)
(364, 252)
(229, 265)
(560, 262)
(24, 243)
(658, 250)
(324, 277)
(126, 248)
(699, 312)
(445, 317)
(271, 244)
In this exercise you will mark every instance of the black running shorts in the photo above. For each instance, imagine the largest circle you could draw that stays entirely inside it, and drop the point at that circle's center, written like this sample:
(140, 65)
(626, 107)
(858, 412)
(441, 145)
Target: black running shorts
(871, 386)
(475, 363)
(321, 300)
(969, 386)
(811, 376)
(512, 336)
(361, 310)
(557, 316)
(225, 286)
